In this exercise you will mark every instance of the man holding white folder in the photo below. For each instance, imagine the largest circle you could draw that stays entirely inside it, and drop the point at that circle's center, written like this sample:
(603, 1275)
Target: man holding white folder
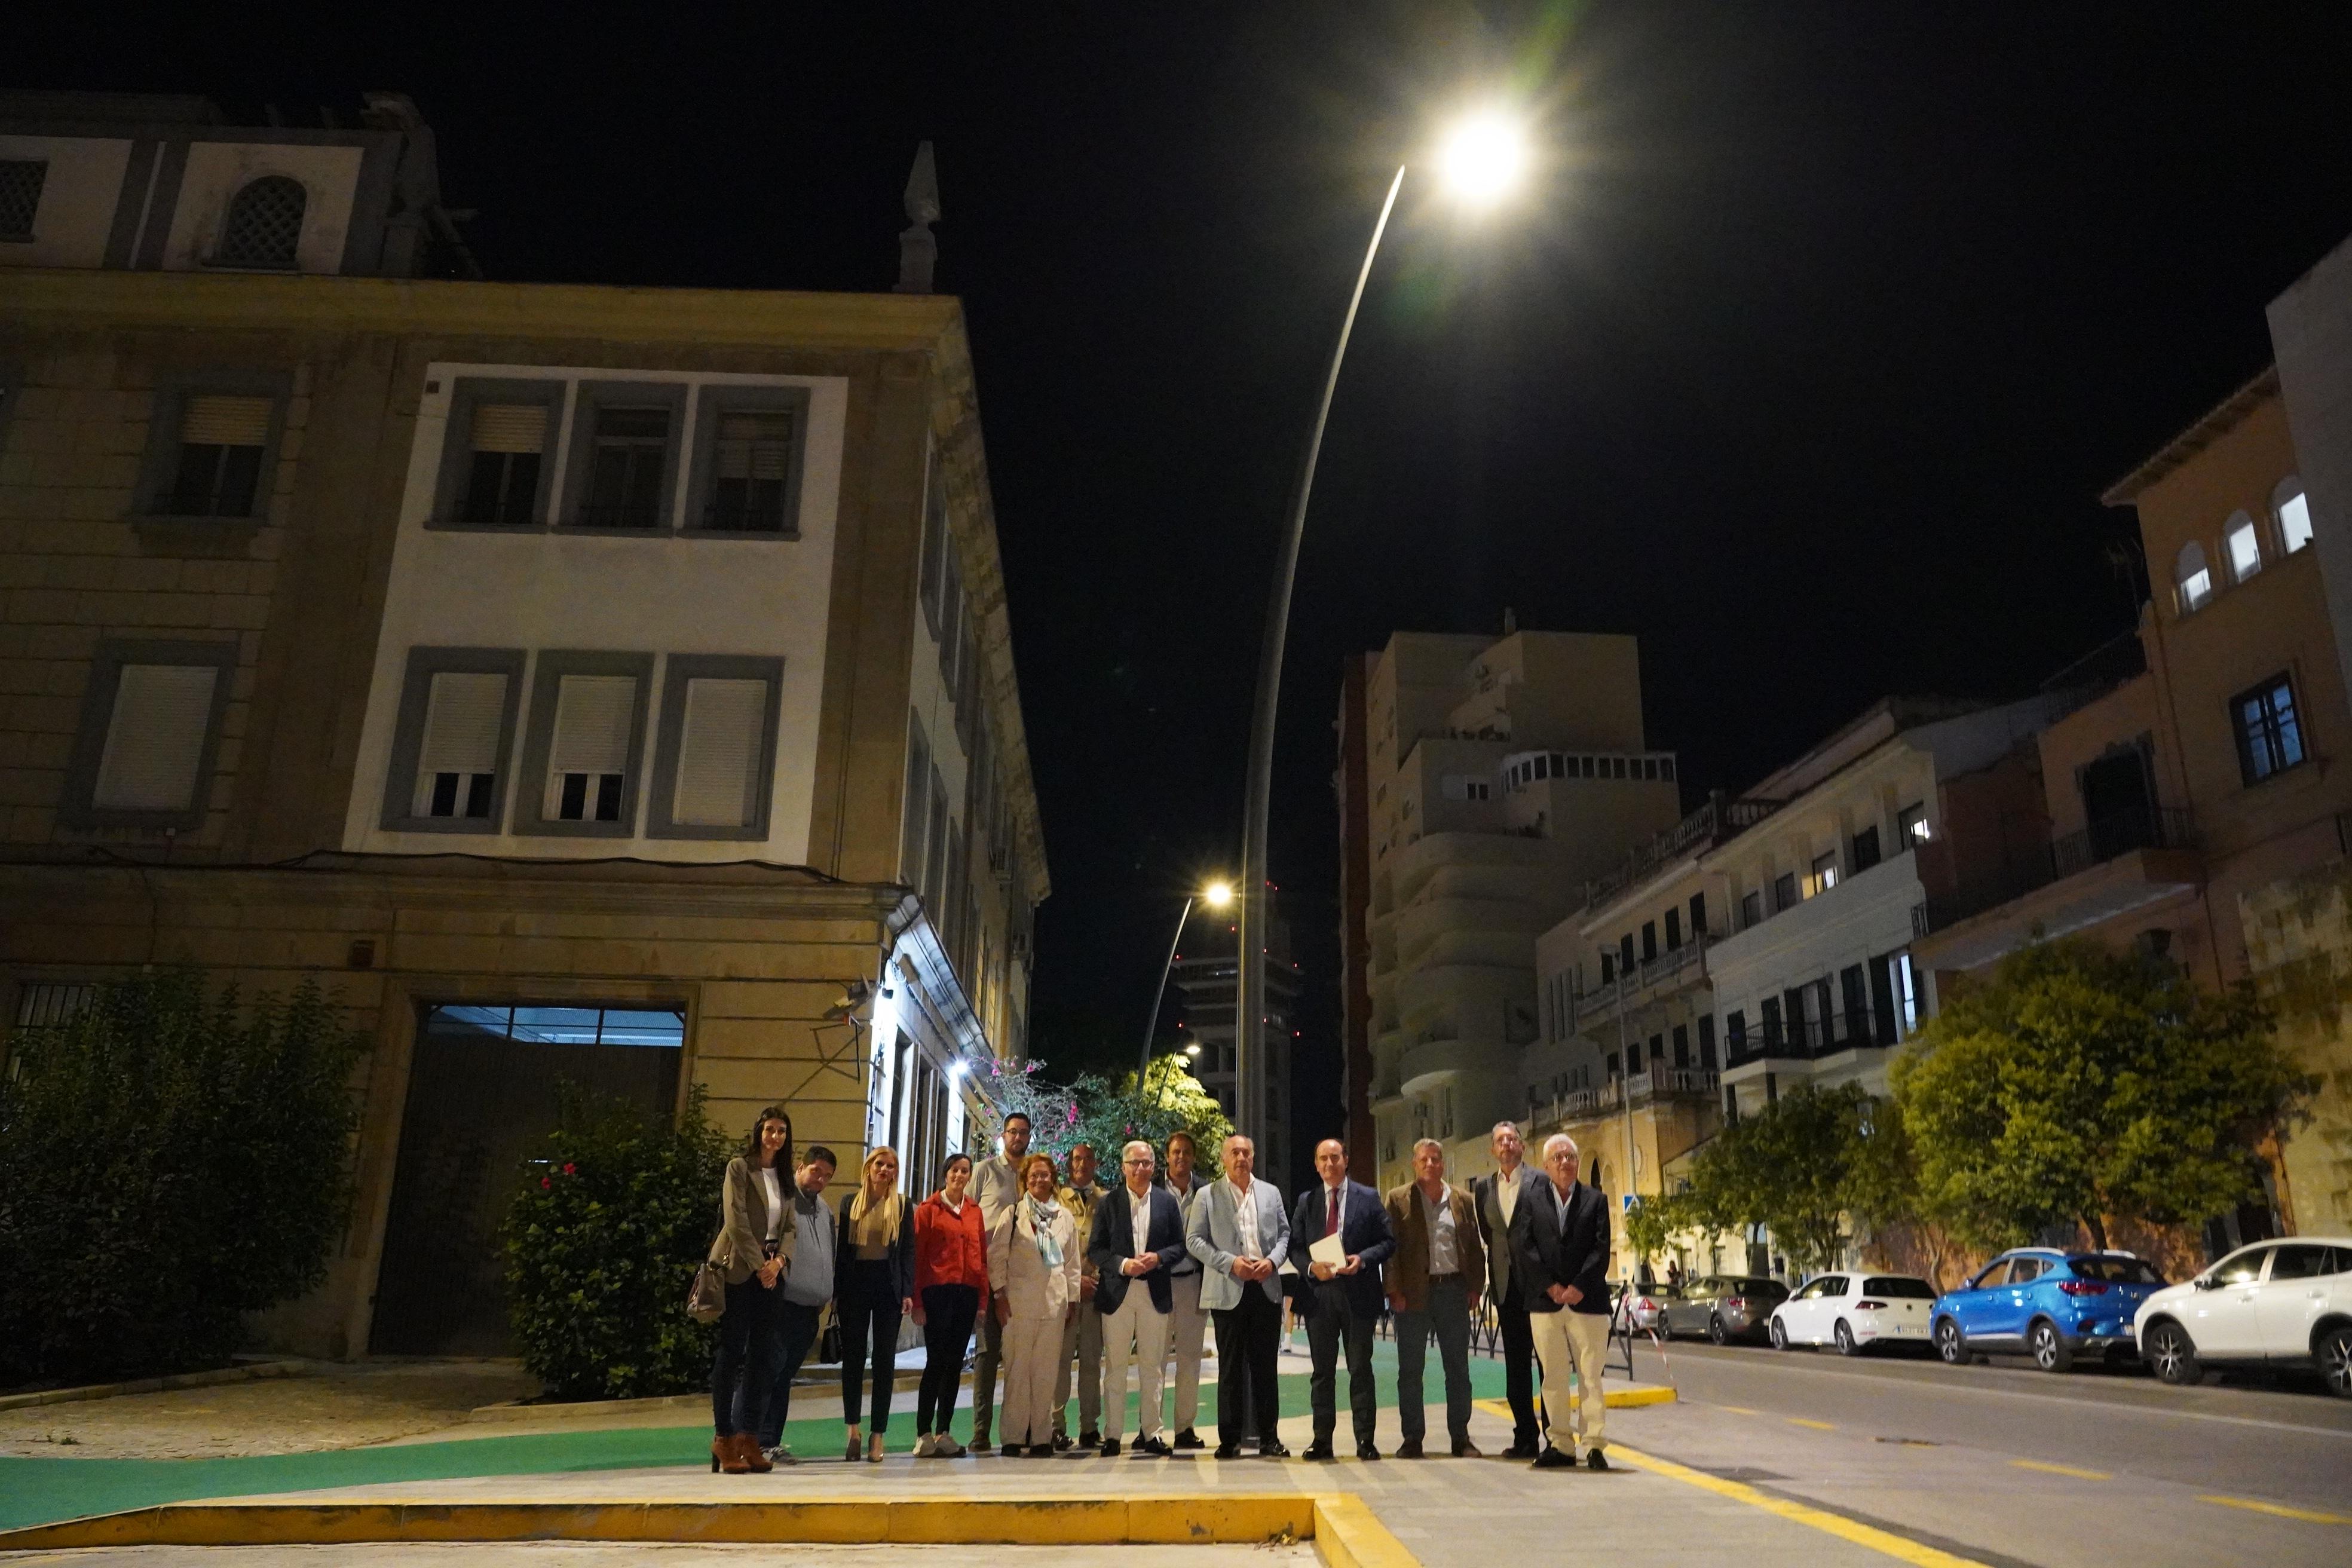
(1339, 1236)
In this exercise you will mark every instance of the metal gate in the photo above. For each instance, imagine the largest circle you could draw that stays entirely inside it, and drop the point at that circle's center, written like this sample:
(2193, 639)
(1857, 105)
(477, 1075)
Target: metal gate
(482, 1098)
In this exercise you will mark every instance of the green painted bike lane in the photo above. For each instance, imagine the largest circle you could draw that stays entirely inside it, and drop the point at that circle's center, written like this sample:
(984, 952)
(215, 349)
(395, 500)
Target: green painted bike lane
(38, 1491)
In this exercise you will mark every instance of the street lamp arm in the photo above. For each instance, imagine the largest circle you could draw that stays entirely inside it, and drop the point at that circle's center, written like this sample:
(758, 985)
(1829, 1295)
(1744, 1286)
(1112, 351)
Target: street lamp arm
(1249, 1014)
(1151, 1024)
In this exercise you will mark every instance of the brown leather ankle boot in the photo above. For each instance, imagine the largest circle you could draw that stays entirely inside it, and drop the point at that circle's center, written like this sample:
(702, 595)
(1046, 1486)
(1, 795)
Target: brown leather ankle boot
(747, 1448)
(724, 1455)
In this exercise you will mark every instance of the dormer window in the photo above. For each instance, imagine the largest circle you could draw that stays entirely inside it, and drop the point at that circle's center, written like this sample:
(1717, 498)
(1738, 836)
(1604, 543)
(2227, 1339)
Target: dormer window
(2191, 578)
(264, 227)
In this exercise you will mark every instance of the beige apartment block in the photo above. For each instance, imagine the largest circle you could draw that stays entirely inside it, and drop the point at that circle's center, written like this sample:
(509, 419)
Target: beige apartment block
(578, 682)
(1497, 776)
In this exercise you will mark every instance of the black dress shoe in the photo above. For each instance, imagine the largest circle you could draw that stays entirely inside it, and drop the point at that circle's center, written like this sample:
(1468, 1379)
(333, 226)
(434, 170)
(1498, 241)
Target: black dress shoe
(1318, 1449)
(1521, 1448)
(1090, 1439)
(1041, 1450)
(1553, 1459)
(1407, 1449)
(1367, 1451)
(1276, 1451)
(1110, 1449)
(1188, 1438)
(1061, 1442)
(1151, 1445)
(1229, 1451)
(1594, 1459)
(1466, 1449)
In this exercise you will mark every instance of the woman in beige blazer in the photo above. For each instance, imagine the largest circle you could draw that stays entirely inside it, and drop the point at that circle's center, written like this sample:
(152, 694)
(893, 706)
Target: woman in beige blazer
(754, 1248)
(1033, 1279)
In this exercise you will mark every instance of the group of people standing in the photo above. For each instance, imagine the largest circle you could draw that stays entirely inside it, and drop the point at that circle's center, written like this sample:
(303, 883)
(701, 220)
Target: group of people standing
(1052, 1272)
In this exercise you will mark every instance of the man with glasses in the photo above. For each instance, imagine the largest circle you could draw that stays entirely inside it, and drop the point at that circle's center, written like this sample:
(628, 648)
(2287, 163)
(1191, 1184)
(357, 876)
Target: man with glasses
(1137, 1237)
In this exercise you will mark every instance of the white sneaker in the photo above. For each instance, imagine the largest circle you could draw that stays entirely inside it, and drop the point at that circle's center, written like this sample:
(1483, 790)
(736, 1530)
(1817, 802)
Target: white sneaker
(927, 1446)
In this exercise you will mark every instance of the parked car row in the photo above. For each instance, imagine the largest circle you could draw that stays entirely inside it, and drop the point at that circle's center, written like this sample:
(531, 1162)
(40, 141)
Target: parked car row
(2273, 1303)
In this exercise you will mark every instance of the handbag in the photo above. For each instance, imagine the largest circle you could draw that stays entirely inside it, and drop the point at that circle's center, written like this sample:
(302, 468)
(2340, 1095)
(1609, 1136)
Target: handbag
(828, 1342)
(706, 1299)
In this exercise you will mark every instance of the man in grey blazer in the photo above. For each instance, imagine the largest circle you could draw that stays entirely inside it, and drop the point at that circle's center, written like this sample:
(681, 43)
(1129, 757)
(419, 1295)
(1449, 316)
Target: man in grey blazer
(1240, 1236)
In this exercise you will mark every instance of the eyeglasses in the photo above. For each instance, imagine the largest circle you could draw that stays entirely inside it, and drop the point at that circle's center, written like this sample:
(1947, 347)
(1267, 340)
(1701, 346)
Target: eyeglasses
(1141, 1162)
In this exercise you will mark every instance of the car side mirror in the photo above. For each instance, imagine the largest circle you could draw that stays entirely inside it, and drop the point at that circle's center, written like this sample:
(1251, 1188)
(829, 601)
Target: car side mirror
(2205, 1282)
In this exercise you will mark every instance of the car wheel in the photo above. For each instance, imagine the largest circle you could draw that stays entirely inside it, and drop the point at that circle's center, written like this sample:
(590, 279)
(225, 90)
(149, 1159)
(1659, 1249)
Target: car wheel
(1951, 1344)
(2336, 1360)
(2050, 1350)
(1845, 1345)
(2173, 1354)
(1780, 1336)
(1716, 1332)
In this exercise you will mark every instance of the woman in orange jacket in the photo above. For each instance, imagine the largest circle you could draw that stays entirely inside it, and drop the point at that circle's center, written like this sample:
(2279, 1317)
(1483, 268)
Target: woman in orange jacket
(951, 1292)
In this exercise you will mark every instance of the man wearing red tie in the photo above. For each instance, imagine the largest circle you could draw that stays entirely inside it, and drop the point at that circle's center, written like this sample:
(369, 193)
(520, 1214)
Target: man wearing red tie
(1344, 1300)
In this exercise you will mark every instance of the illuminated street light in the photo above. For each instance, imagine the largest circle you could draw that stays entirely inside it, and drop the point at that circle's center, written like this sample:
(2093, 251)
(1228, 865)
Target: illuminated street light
(1216, 895)
(1484, 158)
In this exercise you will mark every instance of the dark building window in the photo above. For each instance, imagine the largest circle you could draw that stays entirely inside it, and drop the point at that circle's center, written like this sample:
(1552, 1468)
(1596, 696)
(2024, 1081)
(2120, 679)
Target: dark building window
(625, 479)
(1674, 930)
(1634, 1058)
(510, 440)
(1784, 891)
(1706, 1043)
(1649, 941)
(1625, 952)
(2270, 736)
(21, 180)
(751, 468)
(264, 227)
(1856, 991)
(1865, 848)
(1681, 1045)
(1751, 910)
(221, 442)
(1698, 914)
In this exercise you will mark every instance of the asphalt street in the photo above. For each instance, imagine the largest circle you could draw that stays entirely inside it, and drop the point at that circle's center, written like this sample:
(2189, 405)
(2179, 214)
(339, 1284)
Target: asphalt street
(2003, 1462)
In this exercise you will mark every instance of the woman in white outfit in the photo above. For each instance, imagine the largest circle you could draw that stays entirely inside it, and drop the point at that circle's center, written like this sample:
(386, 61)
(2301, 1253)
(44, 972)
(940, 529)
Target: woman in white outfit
(1033, 1282)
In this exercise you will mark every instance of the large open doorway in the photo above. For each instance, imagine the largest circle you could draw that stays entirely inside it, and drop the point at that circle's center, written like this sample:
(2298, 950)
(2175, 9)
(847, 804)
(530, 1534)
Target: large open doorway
(482, 1098)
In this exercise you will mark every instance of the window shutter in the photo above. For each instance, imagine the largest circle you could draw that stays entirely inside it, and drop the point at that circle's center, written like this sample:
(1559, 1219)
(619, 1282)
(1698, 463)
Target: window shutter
(593, 714)
(214, 420)
(462, 719)
(155, 738)
(753, 446)
(510, 427)
(719, 752)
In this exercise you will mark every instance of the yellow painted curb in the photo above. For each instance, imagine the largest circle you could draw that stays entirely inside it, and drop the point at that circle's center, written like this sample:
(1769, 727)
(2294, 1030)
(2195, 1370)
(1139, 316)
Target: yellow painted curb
(1358, 1540)
(1634, 1398)
(1901, 1548)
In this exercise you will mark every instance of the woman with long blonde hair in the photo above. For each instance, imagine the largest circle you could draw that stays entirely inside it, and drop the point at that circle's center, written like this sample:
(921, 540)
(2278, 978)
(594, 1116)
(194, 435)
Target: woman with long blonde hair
(874, 1290)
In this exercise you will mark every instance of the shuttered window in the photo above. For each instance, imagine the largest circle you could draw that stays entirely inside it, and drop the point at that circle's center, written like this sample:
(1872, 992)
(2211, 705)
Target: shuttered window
(502, 472)
(456, 769)
(626, 466)
(719, 753)
(589, 758)
(221, 441)
(750, 463)
(155, 738)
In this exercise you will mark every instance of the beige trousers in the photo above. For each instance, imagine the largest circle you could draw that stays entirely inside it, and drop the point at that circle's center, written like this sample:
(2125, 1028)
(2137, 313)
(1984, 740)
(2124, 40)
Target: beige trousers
(1187, 1335)
(1566, 1339)
(1136, 1335)
(1032, 1346)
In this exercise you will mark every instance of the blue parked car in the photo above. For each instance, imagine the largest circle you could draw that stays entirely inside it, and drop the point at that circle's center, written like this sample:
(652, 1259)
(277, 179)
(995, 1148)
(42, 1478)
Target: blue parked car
(2051, 1303)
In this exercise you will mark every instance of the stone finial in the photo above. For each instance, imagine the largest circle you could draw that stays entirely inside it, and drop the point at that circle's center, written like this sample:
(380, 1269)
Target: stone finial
(919, 248)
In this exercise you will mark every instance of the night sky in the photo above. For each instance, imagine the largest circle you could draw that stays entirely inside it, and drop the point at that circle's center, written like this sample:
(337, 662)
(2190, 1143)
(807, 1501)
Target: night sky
(1805, 359)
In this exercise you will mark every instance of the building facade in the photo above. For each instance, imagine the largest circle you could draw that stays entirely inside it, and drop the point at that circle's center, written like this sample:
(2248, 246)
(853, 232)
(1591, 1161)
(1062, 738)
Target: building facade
(589, 683)
(1207, 981)
(1496, 775)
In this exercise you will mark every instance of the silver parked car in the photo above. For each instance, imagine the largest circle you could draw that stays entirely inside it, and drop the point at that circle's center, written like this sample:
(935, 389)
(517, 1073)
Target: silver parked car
(1724, 1306)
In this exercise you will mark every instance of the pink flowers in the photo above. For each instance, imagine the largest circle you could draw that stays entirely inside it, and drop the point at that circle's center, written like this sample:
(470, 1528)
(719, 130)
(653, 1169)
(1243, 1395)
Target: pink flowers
(544, 1182)
(569, 1169)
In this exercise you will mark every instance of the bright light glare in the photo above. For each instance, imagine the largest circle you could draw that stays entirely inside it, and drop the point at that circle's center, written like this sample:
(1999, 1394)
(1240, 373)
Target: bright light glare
(1217, 895)
(1192, 1051)
(957, 1067)
(1484, 157)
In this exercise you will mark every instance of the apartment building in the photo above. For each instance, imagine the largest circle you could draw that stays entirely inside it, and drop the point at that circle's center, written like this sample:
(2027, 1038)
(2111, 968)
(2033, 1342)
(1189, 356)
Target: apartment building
(1207, 980)
(2193, 812)
(578, 683)
(1482, 781)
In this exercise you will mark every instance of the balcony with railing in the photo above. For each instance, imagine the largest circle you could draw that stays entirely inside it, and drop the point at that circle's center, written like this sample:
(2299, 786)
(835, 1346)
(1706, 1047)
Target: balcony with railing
(1809, 1039)
(1641, 1089)
(1669, 971)
(2090, 855)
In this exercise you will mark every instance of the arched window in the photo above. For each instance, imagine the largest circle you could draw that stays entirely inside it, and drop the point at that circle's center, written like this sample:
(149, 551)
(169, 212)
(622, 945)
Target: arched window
(265, 224)
(2241, 546)
(2291, 508)
(2190, 576)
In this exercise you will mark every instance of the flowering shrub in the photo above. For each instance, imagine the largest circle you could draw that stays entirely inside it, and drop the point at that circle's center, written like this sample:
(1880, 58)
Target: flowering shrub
(603, 1238)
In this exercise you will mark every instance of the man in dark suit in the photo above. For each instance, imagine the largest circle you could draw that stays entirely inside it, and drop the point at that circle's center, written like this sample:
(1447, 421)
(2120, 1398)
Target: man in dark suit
(1497, 1198)
(1344, 1300)
(1559, 1250)
(1137, 1235)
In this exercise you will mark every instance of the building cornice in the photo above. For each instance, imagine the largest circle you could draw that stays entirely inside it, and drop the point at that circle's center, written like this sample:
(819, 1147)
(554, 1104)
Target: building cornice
(2217, 422)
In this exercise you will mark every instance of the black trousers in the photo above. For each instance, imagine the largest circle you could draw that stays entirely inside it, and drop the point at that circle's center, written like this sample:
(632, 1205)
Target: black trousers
(1334, 1321)
(746, 1364)
(795, 1334)
(1249, 1338)
(948, 1314)
(1518, 1368)
(868, 1308)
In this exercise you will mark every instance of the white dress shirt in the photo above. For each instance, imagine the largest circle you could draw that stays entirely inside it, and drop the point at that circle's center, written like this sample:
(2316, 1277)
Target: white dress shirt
(1507, 1193)
(1140, 1217)
(1245, 1223)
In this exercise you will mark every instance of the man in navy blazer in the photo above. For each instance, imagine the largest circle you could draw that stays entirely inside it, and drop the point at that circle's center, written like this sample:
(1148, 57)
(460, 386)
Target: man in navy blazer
(1137, 1235)
(1343, 1302)
(1559, 1250)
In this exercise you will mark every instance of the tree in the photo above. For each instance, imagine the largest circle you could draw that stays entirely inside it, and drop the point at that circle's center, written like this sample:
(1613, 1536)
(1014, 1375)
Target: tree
(2079, 1087)
(1096, 1111)
(171, 1160)
(1800, 1166)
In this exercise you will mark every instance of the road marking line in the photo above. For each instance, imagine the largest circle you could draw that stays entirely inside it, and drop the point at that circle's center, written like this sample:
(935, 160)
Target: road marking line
(1816, 1425)
(1898, 1547)
(2254, 1505)
(1742, 1410)
(2063, 1470)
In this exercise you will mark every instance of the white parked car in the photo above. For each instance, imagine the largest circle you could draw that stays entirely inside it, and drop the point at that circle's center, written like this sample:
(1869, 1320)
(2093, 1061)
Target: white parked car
(1855, 1312)
(2274, 1303)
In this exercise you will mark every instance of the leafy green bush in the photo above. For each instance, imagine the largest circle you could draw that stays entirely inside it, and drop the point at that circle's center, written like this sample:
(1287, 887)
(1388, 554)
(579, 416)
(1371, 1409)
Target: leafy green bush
(169, 1160)
(602, 1242)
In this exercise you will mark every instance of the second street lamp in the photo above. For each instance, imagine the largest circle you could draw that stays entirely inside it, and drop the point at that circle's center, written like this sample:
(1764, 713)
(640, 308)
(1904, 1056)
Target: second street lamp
(1217, 895)
(1481, 159)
